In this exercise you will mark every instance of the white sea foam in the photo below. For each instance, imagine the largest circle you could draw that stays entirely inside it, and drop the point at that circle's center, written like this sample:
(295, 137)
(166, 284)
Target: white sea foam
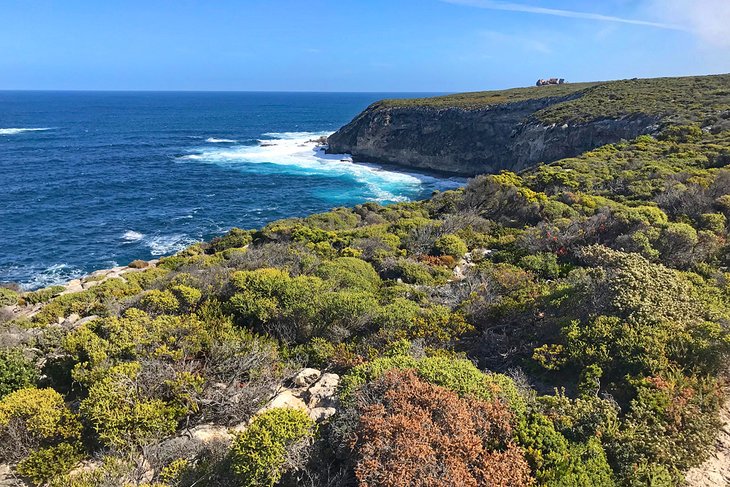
(132, 236)
(55, 274)
(15, 131)
(304, 136)
(214, 140)
(299, 153)
(167, 244)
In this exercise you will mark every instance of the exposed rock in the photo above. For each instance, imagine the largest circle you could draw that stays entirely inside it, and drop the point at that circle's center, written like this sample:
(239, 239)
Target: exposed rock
(468, 261)
(71, 319)
(306, 377)
(138, 264)
(324, 392)
(206, 433)
(475, 141)
(84, 320)
(320, 414)
(73, 286)
(8, 478)
(286, 399)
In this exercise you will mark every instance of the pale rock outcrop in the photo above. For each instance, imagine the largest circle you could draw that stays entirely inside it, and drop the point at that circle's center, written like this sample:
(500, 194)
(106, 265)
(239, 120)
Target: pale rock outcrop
(324, 392)
(306, 377)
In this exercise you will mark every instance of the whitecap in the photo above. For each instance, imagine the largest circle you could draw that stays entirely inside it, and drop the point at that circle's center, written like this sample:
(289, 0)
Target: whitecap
(297, 135)
(301, 153)
(214, 140)
(15, 131)
(53, 275)
(168, 244)
(132, 236)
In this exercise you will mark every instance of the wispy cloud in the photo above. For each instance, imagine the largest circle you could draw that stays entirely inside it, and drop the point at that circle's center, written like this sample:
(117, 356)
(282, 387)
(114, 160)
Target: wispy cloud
(708, 19)
(518, 7)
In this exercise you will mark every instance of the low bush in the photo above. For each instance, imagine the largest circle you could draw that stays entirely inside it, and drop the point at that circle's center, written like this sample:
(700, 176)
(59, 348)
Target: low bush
(42, 295)
(350, 272)
(259, 455)
(16, 372)
(8, 297)
(458, 375)
(234, 239)
(412, 433)
(450, 244)
(121, 416)
(47, 463)
(32, 419)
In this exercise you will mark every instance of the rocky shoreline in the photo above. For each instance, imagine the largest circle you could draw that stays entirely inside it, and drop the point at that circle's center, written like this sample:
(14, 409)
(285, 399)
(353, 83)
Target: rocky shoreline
(81, 284)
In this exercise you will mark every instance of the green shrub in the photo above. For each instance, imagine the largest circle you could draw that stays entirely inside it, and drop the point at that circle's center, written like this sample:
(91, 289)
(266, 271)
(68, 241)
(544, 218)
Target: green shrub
(342, 313)
(258, 454)
(671, 423)
(16, 372)
(587, 466)
(46, 463)
(412, 272)
(713, 222)
(234, 239)
(681, 133)
(159, 302)
(34, 418)
(8, 297)
(121, 417)
(99, 299)
(450, 244)
(187, 297)
(435, 325)
(543, 264)
(350, 272)
(42, 295)
(265, 298)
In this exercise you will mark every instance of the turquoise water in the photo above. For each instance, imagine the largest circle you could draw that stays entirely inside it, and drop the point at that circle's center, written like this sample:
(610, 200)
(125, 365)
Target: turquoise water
(92, 180)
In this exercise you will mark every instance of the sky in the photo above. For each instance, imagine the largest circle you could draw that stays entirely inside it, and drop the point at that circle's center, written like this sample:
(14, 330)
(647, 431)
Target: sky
(353, 45)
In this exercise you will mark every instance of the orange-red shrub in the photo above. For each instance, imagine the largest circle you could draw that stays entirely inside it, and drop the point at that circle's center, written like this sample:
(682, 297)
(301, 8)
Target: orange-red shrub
(412, 433)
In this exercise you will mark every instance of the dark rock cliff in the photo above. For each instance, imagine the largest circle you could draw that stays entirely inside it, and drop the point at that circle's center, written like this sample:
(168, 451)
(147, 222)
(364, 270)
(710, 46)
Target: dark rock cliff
(471, 141)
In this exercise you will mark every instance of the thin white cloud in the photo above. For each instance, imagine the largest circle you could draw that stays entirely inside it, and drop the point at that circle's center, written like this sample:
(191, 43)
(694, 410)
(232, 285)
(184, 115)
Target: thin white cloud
(708, 19)
(518, 7)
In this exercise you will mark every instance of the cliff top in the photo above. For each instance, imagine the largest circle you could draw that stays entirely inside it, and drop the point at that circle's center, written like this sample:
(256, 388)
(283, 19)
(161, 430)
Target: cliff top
(691, 98)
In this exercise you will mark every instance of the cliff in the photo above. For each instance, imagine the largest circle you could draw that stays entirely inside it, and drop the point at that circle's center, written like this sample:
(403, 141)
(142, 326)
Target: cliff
(486, 132)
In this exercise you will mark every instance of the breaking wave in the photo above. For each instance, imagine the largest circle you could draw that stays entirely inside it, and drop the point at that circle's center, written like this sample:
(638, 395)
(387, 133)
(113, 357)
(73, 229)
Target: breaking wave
(15, 131)
(300, 153)
(214, 140)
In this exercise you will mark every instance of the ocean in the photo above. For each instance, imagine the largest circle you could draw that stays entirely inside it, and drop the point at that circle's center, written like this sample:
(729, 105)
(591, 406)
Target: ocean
(92, 180)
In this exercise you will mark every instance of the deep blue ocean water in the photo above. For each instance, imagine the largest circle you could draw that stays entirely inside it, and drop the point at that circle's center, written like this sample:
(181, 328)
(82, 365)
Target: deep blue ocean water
(90, 180)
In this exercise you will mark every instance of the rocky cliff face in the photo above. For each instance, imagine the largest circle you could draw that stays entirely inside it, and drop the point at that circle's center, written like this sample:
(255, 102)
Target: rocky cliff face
(474, 141)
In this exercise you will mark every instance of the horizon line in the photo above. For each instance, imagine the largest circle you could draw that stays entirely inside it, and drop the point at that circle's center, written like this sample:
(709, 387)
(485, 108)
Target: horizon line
(116, 90)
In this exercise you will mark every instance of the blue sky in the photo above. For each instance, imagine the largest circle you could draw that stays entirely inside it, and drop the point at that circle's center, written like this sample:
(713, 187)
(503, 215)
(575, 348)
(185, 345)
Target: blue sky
(353, 45)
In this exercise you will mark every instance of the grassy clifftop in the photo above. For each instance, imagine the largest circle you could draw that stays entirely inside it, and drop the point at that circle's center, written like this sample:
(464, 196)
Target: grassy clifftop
(693, 98)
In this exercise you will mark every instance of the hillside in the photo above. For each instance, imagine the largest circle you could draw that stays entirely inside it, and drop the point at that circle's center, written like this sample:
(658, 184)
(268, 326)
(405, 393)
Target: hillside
(565, 326)
(484, 132)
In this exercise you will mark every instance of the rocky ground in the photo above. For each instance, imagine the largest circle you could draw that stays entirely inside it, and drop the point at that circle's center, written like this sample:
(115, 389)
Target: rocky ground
(310, 390)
